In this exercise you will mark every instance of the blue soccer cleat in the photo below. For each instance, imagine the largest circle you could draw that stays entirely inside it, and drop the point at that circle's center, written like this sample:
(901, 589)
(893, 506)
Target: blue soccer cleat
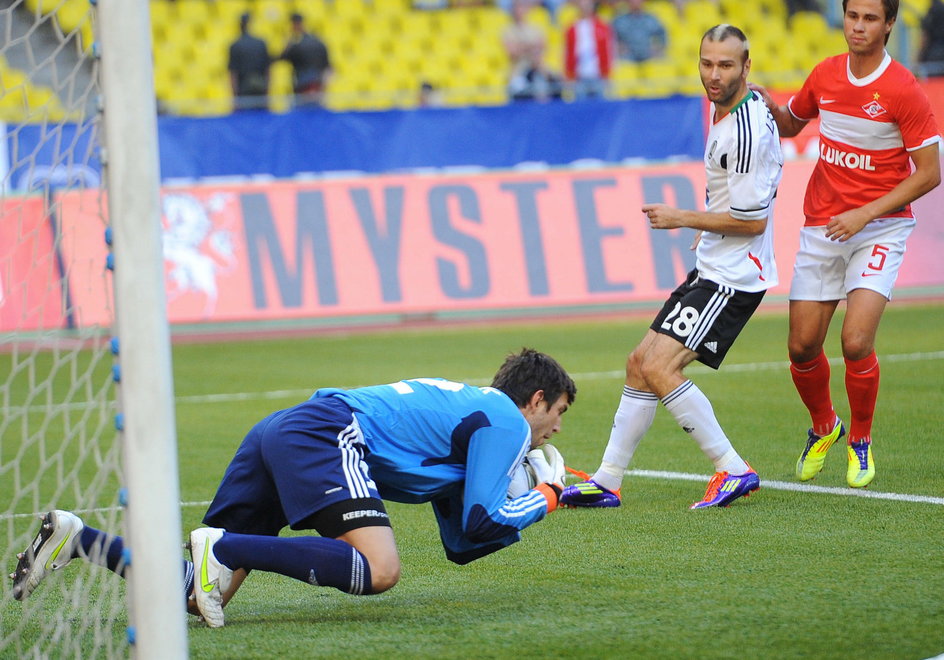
(724, 488)
(589, 494)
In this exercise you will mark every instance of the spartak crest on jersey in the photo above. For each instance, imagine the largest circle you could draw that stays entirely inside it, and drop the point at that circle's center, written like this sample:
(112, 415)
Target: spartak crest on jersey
(873, 108)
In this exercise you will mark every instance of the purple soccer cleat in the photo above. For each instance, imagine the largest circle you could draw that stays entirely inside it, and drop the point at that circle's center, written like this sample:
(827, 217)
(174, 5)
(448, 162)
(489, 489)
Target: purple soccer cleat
(589, 494)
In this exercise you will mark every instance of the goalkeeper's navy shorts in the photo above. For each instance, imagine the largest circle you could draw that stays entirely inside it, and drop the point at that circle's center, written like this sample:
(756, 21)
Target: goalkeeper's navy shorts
(301, 467)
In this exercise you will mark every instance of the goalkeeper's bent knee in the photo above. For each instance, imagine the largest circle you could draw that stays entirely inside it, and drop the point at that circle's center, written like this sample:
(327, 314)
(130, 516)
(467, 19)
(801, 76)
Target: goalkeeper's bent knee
(347, 571)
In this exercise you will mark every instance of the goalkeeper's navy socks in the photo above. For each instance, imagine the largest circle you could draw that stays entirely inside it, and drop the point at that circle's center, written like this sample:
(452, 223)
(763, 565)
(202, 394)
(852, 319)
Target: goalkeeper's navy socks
(188, 579)
(101, 548)
(312, 559)
(108, 551)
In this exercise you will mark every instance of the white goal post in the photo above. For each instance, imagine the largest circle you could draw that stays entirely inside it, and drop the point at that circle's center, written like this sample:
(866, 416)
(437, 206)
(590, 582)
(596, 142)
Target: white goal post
(87, 419)
(152, 522)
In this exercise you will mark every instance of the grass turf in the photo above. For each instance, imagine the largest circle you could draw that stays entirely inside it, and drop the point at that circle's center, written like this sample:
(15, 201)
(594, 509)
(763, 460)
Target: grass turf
(780, 574)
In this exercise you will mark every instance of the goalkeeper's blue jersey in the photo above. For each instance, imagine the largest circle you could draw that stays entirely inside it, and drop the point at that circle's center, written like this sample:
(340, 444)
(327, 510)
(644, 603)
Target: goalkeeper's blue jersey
(455, 445)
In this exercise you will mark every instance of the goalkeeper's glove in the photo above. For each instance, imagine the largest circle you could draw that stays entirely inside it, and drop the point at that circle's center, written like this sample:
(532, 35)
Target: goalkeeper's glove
(548, 466)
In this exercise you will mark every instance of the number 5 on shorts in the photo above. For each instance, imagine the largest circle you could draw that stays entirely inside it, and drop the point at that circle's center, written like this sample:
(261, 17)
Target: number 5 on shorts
(880, 252)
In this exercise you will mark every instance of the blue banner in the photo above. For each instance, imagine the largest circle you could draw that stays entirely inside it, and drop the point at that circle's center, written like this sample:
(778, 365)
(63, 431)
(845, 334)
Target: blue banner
(318, 141)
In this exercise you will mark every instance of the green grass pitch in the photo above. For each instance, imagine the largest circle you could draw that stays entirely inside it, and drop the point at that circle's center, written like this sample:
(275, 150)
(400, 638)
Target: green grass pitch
(781, 574)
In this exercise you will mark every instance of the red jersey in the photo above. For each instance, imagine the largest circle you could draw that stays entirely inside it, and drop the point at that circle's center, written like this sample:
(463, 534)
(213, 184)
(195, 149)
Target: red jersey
(602, 35)
(867, 127)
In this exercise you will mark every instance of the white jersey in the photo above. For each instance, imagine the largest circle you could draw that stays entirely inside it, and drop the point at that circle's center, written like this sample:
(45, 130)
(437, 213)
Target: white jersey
(743, 166)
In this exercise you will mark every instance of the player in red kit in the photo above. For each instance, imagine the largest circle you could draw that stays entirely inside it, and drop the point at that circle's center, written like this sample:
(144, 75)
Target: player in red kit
(875, 124)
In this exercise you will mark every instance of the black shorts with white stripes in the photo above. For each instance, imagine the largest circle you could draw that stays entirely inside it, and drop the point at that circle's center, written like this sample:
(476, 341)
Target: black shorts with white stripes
(706, 317)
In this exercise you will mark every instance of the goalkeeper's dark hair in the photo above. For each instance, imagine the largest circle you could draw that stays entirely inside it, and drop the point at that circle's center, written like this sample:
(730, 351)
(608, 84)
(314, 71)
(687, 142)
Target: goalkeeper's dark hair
(524, 373)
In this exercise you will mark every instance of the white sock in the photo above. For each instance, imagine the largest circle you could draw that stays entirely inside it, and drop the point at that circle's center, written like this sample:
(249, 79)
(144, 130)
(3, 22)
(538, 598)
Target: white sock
(632, 419)
(692, 410)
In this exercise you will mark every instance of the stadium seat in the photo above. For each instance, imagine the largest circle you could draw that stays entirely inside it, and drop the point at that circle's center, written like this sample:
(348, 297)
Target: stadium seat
(538, 15)
(382, 50)
(772, 9)
(566, 15)
(14, 105)
(701, 14)
(912, 11)
(626, 79)
(660, 78)
(75, 16)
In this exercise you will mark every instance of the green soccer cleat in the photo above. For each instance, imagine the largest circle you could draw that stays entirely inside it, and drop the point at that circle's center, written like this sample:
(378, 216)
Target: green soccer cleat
(861, 466)
(51, 550)
(814, 455)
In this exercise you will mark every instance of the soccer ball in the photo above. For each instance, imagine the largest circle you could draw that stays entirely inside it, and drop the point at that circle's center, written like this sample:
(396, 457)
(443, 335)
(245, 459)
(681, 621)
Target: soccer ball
(544, 464)
(523, 479)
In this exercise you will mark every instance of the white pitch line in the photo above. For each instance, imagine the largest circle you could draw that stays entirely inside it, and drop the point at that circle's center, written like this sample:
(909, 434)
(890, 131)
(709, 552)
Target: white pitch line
(799, 488)
(589, 375)
(585, 376)
(654, 474)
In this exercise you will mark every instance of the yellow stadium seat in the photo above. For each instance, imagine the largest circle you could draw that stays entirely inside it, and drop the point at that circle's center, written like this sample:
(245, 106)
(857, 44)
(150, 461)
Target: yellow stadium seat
(659, 78)
(225, 15)
(346, 9)
(701, 14)
(809, 25)
(384, 6)
(919, 7)
(11, 78)
(76, 16)
(626, 79)
(683, 44)
(538, 15)
(14, 105)
(566, 15)
(665, 10)
(737, 12)
(490, 20)
(163, 82)
(193, 11)
(774, 9)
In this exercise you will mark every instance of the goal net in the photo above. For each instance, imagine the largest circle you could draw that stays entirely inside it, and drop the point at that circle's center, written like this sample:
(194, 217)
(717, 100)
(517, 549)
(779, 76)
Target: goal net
(61, 409)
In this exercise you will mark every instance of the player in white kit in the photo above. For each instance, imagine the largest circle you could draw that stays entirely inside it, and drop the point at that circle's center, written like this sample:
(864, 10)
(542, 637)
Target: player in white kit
(703, 316)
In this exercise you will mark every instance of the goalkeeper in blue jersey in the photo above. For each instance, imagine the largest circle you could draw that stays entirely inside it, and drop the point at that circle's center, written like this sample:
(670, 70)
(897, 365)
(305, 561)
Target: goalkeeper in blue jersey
(326, 465)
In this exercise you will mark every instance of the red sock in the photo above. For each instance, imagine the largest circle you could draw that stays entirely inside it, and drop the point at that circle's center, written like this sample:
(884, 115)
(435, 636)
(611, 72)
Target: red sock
(812, 383)
(862, 389)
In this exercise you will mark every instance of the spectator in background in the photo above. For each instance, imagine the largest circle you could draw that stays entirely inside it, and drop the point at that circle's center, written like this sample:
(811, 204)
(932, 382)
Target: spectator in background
(525, 45)
(524, 42)
(640, 36)
(310, 62)
(931, 55)
(588, 53)
(249, 69)
(429, 96)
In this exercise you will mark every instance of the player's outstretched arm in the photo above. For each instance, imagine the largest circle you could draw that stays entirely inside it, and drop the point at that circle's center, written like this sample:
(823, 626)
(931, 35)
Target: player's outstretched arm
(662, 216)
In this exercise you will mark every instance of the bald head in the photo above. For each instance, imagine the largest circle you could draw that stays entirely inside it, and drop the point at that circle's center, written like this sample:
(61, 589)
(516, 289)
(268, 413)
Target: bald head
(726, 31)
